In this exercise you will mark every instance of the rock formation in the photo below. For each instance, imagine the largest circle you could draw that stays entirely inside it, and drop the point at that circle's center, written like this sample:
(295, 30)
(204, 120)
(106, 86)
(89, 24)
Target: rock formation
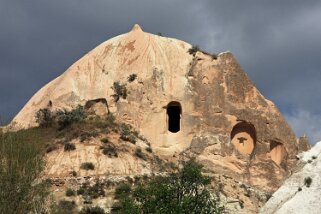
(301, 192)
(186, 103)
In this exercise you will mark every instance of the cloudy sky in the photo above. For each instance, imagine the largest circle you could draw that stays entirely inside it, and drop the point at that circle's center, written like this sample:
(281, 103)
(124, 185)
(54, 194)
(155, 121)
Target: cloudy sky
(278, 43)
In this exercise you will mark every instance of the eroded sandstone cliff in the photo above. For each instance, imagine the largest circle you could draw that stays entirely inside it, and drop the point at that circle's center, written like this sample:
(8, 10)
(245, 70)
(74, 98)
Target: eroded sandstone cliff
(184, 103)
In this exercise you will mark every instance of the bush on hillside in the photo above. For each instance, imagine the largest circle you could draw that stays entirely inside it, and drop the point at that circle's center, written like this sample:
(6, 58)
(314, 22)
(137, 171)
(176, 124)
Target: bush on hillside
(69, 147)
(182, 192)
(87, 166)
(132, 77)
(193, 50)
(120, 91)
(92, 210)
(65, 118)
(21, 162)
(44, 117)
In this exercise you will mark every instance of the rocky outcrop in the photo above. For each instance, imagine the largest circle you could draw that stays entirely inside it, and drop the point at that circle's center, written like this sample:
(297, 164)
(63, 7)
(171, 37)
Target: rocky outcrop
(186, 103)
(301, 192)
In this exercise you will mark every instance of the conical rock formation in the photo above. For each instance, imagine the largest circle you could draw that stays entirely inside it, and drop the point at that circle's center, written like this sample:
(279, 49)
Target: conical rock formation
(183, 101)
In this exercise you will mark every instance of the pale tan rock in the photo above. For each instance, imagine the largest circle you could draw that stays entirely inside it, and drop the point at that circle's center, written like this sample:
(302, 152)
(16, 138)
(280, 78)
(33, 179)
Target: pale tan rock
(224, 120)
(297, 195)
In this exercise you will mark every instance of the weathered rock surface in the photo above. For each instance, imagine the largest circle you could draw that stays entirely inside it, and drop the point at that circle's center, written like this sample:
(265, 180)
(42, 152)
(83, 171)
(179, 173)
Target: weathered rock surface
(301, 192)
(192, 104)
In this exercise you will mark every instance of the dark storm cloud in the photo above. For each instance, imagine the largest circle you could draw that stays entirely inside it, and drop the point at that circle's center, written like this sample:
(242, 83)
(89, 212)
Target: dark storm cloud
(276, 42)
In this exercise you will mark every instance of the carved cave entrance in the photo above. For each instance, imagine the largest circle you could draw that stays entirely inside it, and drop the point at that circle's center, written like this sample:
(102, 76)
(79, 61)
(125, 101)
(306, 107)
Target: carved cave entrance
(174, 112)
(277, 152)
(243, 137)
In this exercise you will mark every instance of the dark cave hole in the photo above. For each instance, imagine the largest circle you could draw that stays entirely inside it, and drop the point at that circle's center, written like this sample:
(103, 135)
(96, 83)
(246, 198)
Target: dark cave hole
(174, 117)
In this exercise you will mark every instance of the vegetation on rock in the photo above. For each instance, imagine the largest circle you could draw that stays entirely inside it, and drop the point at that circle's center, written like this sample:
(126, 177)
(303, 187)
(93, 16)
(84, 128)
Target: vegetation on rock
(87, 166)
(193, 50)
(70, 192)
(181, 192)
(120, 91)
(132, 77)
(69, 147)
(92, 210)
(21, 162)
(64, 207)
(63, 118)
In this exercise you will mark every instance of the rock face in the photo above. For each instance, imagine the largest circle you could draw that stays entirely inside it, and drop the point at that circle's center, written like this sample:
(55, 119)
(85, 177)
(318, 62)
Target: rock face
(301, 192)
(183, 103)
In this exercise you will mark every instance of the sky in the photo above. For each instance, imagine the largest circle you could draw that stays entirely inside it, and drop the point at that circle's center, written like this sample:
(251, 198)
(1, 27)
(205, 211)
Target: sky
(278, 43)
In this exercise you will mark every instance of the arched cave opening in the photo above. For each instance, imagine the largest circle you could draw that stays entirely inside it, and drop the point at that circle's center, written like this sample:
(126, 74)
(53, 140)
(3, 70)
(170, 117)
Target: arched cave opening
(243, 137)
(174, 111)
(277, 152)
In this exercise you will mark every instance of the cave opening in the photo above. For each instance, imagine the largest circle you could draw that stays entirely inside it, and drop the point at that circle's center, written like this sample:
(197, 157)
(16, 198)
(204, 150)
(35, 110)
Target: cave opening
(174, 111)
(243, 137)
(277, 152)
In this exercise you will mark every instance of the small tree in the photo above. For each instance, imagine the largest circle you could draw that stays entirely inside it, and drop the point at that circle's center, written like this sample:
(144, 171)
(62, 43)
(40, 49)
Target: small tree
(44, 117)
(182, 192)
(65, 117)
(193, 50)
(120, 91)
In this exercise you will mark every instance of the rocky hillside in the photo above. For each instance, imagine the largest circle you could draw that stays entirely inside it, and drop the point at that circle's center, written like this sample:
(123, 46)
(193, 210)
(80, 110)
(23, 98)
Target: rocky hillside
(173, 99)
(301, 192)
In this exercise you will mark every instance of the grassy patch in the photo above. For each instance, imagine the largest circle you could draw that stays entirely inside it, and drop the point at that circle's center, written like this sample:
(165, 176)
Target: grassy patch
(139, 153)
(21, 162)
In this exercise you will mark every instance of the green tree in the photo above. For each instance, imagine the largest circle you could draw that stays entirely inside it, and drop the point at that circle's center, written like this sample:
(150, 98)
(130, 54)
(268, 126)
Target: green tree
(182, 192)
(21, 162)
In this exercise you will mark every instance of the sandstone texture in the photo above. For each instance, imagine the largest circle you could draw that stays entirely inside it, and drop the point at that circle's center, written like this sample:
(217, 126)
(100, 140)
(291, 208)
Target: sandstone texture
(186, 104)
(301, 192)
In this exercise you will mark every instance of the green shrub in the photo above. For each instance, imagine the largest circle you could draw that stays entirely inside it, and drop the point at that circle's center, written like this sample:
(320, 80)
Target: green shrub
(105, 140)
(70, 192)
(65, 118)
(81, 191)
(87, 166)
(92, 210)
(85, 135)
(132, 77)
(138, 153)
(69, 147)
(21, 163)
(110, 151)
(44, 117)
(120, 91)
(111, 119)
(93, 191)
(127, 133)
(307, 181)
(122, 189)
(193, 50)
(149, 149)
(184, 191)
(64, 207)
(74, 173)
